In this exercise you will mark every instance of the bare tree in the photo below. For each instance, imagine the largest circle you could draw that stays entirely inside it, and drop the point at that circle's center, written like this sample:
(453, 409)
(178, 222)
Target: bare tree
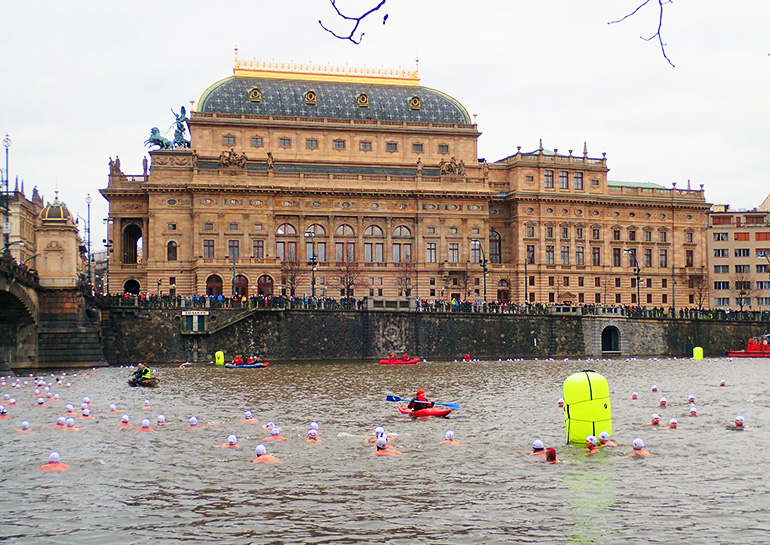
(742, 289)
(349, 273)
(293, 272)
(357, 20)
(405, 271)
(698, 284)
(657, 34)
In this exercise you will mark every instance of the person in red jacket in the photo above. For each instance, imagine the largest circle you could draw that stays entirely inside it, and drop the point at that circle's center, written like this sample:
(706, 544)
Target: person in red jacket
(420, 401)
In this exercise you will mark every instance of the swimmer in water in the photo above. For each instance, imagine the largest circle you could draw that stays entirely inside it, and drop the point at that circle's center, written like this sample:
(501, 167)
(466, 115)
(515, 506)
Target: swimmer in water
(24, 428)
(738, 426)
(634, 395)
(654, 388)
(691, 399)
(232, 442)
(723, 383)
(314, 426)
(638, 451)
(654, 420)
(591, 445)
(40, 401)
(270, 425)
(54, 463)
(124, 422)
(70, 425)
(193, 421)
(161, 420)
(248, 416)
(382, 449)
(4, 412)
(605, 441)
(275, 435)
(145, 426)
(86, 415)
(560, 403)
(449, 439)
(378, 431)
(550, 456)
(113, 408)
(663, 402)
(538, 448)
(146, 404)
(263, 457)
(693, 411)
(312, 436)
(672, 424)
(60, 422)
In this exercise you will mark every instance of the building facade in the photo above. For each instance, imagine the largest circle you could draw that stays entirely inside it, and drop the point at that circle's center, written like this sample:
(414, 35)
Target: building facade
(304, 180)
(739, 250)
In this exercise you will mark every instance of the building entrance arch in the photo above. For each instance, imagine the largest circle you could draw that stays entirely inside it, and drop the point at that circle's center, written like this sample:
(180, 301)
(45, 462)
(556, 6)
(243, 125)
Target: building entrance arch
(132, 287)
(265, 285)
(241, 286)
(611, 339)
(214, 285)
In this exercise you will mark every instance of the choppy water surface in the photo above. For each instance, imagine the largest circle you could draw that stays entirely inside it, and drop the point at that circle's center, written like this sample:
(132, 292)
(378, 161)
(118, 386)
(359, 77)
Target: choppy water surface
(703, 484)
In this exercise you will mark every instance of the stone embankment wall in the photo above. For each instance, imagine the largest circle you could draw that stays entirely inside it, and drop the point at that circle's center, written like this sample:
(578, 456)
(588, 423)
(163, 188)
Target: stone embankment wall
(135, 334)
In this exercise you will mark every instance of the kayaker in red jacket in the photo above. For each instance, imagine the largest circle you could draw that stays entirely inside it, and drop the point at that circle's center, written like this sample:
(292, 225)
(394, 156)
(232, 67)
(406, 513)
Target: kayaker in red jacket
(420, 401)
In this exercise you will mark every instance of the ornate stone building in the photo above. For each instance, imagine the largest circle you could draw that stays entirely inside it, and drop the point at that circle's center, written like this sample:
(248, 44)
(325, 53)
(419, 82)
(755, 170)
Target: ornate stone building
(370, 184)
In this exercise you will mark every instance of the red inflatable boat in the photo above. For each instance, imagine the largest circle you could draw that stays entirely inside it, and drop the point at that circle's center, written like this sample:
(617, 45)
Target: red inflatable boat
(433, 411)
(399, 361)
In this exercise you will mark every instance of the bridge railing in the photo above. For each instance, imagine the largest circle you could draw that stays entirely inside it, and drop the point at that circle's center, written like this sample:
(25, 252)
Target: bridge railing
(12, 270)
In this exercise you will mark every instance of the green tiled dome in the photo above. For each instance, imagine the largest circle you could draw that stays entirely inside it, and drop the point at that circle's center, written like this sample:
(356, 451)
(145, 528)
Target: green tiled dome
(333, 100)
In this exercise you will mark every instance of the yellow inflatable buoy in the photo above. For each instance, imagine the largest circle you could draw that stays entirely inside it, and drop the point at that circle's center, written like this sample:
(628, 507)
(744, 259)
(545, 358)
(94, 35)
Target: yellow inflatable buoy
(586, 406)
(697, 353)
(219, 358)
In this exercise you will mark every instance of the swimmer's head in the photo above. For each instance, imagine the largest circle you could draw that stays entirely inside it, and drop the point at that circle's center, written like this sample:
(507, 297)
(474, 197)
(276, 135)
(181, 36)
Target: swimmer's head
(275, 431)
(379, 430)
(83, 406)
(61, 421)
(86, 399)
(381, 442)
(634, 395)
(7, 397)
(25, 425)
(537, 444)
(146, 402)
(54, 458)
(662, 401)
(722, 383)
(3, 410)
(86, 412)
(146, 423)
(248, 415)
(591, 439)
(449, 435)
(693, 410)
(638, 443)
(312, 434)
(550, 454)
(193, 421)
(56, 397)
(655, 417)
(69, 408)
(738, 421)
(270, 425)
(691, 399)
(560, 402)
(232, 439)
(314, 425)
(654, 388)
(124, 419)
(260, 450)
(12, 401)
(672, 423)
(113, 407)
(161, 419)
(40, 401)
(420, 392)
(604, 436)
(70, 422)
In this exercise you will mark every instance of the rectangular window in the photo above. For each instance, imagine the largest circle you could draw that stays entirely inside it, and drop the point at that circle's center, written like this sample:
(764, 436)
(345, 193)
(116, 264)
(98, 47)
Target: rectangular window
(443, 148)
(648, 257)
(578, 180)
(762, 252)
(284, 142)
(581, 295)
(233, 227)
(597, 298)
(391, 146)
(548, 180)
(529, 178)
(616, 257)
(632, 262)
(171, 226)
(662, 236)
(755, 219)
(320, 252)
(743, 269)
(663, 258)
(596, 257)
(579, 255)
(564, 232)
(311, 143)
(430, 252)
(531, 280)
(632, 235)
(228, 140)
(689, 258)
(720, 237)
(549, 255)
(286, 251)
(566, 281)
(552, 297)
(563, 179)
(648, 283)
(257, 226)
(475, 253)
(551, 280)
(431, 230)
(594, 182)
(742, 236)
(595, 234)
(617, 298)
(565, 255)
(723, 252)
(339, 144)
(722, 285)
(208, 226)
(432, 292)
(762, 236)
(233, 249)
(721, 220)
(258, 248)
(760, 268)
(549, 232)
(579, 233)
(530, 254)
(742, 252)
(617, 283)
(454, 252)
(725, 269)
(722, 301)
(688, 238)
(648, 236)
(597, 282)
(664, 283)
(616, 234)
(365, 146)
(742, 285)
(453, 230)
(763, 301)
(208, 249)
(256, 141)
(417, 148)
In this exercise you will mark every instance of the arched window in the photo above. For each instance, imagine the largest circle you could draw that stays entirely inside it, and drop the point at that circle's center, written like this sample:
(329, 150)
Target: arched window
(171, 251)
(373, 231)
(495, 247)
(503, 283)
(503, 290)
(132, 287)
(317, 230)
(402, 231)
(285, 230)
(344, 230)
(241, 286)
(265, 285)
(132, 244)
(214, 285)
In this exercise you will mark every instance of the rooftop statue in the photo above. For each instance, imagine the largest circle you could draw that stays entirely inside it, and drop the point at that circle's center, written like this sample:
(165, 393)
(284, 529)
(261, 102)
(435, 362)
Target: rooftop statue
(156, 139)
(180, 128)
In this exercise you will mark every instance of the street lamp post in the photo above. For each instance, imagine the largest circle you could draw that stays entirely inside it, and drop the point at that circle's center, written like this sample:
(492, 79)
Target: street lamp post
(7, 225)
(107, 244)
(637, 272)
(483, 263)
(88, 232)
(312, 261)
(232, 254)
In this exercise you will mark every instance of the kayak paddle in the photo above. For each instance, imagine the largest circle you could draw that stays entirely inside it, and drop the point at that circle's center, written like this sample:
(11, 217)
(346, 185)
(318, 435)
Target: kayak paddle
(448, 405)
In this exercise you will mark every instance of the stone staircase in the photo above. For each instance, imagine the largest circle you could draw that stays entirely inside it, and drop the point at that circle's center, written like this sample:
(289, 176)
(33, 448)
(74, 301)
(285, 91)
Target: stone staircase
(69, 346)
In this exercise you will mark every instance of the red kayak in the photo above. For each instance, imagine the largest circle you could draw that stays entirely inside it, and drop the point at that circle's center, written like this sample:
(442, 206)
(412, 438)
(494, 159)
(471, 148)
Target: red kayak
(397, 361)
(432, 411)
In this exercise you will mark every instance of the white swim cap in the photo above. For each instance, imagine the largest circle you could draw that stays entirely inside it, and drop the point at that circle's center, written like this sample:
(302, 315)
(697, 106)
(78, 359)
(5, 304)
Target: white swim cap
(275, 431)
(12, 401)
(739, 419)
(672, 421)
(232, 439)
(655, 416)
(83, 406)
(604, 436)
(538, 444)
(634, 394)
(161, 418)
(270, 425)
(261, 450)
(691, 398)
(86, 412)
(193, 421)
(146, 423)
(56, 396)
(61, 420)
(7, 396)
(591, 439)
(379, 430)
(662, 399)
(37, 392)
(146, 402)
(70, 422)
(693, 409)
(248, 414)
(125, 418)
(312, 433)
(113, 407)
(86, 399)
(25, 425)
(40, 401)
(68, 385)
(54, 458)
(638, 443)
(382, 441)
(449, 435)
(314, 425)
(69, 408)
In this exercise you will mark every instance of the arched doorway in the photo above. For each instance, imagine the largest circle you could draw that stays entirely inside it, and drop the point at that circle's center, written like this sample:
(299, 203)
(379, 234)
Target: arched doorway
(265, 285)
(132, 287)
(503, 291)
(241, 286)
(214, 285)
(611, 339)
(132, 244)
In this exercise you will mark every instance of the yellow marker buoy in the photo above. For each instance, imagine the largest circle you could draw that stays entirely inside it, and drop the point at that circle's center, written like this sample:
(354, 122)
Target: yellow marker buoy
(219, 358)
(586, 406)
(697, 353)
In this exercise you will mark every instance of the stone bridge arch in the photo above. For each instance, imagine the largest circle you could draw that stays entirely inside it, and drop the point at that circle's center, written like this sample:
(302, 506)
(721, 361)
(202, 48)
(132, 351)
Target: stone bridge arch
(19, 317)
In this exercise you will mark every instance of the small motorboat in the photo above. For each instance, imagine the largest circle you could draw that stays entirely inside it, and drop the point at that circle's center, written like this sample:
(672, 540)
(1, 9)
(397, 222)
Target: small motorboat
(250, 365)
(405, 360)
(421, 413)
(151, 382)
(756, 348)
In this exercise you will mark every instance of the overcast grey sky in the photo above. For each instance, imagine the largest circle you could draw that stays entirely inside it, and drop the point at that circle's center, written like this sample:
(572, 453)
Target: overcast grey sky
(85, 81)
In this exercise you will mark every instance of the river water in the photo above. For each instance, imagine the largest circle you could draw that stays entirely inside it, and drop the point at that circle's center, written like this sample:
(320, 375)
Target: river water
(702, 484)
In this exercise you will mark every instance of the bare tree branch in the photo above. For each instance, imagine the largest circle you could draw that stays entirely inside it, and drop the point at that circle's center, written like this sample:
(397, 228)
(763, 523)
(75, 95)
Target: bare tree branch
(657, 35)
(356, 19)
